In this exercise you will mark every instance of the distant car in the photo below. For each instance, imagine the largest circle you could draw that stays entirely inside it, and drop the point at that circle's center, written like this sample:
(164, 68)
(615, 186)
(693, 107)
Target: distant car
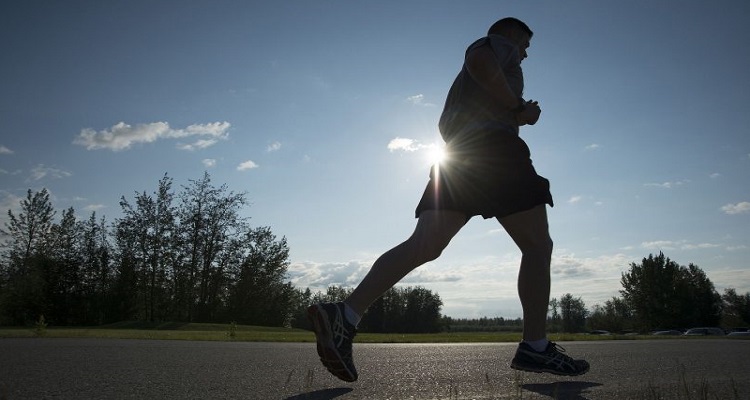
(670, 332)
(738, 333)
(705, 332)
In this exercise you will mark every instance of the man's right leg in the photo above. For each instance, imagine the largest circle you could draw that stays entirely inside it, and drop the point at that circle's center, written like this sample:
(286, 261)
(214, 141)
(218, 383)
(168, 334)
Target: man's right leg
(334, 332)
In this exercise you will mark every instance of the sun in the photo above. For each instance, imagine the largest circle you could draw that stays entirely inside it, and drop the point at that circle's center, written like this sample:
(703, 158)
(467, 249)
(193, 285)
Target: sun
(436, 154)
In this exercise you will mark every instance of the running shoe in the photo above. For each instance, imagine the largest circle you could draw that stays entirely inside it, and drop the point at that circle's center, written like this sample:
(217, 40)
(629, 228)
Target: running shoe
(334, 335)
(550, 360)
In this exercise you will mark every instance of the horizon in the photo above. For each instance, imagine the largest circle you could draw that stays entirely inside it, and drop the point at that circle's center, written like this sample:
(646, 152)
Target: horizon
(326, 114)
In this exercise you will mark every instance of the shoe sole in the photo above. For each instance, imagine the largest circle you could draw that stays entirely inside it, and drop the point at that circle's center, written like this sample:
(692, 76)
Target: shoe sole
(524, 368)
(327, 352)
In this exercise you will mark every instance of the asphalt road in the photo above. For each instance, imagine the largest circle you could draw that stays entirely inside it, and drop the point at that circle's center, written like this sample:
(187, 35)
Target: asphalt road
(144, 369)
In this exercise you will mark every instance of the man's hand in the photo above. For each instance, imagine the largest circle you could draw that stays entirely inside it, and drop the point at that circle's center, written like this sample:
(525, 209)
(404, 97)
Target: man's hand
(530, 114)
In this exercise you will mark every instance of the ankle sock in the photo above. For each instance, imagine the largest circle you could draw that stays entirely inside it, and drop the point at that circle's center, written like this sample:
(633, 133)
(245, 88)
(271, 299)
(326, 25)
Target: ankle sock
(538, 345)
(351, 315)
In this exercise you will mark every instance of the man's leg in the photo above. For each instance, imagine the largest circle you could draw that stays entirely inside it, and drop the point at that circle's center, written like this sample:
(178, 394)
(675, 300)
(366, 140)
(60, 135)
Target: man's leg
(530, 231)
(433, 232)
(335, 329)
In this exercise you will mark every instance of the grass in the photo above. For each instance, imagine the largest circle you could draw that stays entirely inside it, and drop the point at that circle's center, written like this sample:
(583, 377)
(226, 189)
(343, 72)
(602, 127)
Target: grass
(248, 333)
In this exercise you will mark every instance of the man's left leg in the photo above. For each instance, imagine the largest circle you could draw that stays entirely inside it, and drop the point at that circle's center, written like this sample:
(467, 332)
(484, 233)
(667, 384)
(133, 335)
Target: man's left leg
(530, 231)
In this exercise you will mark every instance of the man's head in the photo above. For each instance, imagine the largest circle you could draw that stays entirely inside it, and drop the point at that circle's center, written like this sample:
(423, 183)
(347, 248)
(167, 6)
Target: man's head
(515, 30)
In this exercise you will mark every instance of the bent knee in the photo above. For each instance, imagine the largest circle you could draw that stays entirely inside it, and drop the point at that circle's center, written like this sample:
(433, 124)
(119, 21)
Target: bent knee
(427, 250)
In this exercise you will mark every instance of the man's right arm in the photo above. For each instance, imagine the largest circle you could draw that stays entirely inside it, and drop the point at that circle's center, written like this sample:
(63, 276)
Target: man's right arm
(485, 69)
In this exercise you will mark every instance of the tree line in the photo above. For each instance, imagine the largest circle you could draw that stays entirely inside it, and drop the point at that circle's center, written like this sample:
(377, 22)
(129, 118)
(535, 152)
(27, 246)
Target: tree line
(656, 294)
(185, 256)
(190, 256)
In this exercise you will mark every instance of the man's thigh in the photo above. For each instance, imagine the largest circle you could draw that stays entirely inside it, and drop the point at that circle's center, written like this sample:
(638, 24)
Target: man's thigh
(439, 225)
(528, 228)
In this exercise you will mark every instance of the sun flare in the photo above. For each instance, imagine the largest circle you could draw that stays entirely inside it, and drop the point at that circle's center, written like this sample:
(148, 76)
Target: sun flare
(436, 154)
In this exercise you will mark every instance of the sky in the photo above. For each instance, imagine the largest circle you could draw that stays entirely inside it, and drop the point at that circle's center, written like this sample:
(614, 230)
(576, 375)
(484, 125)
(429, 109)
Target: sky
(325, 114)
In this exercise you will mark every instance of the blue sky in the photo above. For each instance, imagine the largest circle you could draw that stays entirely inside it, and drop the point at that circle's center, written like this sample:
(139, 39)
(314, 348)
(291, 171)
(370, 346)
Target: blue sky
(325, 113)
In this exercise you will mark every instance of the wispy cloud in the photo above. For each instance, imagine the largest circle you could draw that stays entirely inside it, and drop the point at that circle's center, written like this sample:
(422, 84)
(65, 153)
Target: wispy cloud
(715, 175)
(14, 172)
(209, 162)
(5, 150)
(669, 185)
(404, 144)
(739, 208)
(197, 145)
(41, 172)
(677, 245)
(94, 207)
(122, 136)
(275, 146)
(249, 164)
(575, 199)
(592, 147)
(418, 100)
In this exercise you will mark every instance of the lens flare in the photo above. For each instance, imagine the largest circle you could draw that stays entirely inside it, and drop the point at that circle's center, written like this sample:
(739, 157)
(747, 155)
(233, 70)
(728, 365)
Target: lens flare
(436, 154)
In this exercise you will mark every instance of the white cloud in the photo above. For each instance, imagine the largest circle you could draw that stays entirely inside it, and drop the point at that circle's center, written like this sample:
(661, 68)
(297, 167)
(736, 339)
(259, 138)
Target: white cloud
(403, 144)
(575, 199)
(715, 175)
(739, 208)
(275, 146)
(418, 100)
(94, 207)
(669, 185)
(122, 136)
(5, 150)
(591, 147)
(209, 162)
(197, 145)
(5, 172)
(249, 164)
(40, 172)
(677, 245)
(319, 276)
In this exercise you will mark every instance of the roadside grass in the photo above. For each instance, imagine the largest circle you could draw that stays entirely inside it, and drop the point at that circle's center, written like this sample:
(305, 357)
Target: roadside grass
(248, 333)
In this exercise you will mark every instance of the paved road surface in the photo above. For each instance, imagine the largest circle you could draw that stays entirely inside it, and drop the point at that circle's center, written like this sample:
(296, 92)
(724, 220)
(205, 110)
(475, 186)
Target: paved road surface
(143, 369)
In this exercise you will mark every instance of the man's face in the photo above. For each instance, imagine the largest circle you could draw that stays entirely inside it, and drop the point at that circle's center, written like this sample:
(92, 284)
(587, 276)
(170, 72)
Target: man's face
(523, 41)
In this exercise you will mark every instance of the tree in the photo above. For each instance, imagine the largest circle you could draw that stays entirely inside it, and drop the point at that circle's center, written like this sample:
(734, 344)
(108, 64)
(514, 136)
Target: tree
(63, 275)
(613, 316)
(29, 230)
(404, 310)
(663, 294)
(553, 317)
(261, 296)
(25, 257)
(213, 237)
(145, 234)
(97, 274)
(573, 312)
(736, 308)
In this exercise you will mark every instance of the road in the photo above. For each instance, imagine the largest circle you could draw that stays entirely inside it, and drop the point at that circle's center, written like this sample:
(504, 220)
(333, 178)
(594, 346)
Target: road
(44, 368)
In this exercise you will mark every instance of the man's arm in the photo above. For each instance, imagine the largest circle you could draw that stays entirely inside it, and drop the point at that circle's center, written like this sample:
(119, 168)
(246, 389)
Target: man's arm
(483, 66)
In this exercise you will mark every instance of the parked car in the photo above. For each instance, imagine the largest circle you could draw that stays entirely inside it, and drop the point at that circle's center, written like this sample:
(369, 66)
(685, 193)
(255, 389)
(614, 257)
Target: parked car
(705, 332)
(670, 332)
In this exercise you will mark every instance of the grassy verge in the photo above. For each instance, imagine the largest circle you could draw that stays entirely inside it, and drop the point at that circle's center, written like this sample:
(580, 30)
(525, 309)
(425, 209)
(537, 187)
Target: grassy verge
(246, 333)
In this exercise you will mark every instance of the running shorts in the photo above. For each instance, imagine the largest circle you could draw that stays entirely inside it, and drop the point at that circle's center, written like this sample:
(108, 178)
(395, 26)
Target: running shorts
(492, 178)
